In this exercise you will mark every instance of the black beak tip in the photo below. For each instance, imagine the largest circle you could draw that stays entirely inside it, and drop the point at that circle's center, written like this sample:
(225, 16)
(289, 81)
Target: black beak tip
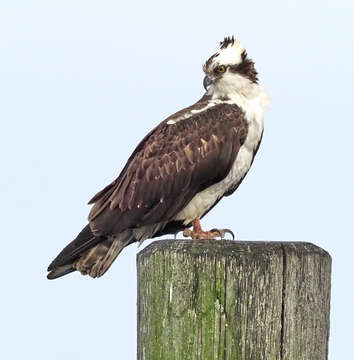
(206, 82)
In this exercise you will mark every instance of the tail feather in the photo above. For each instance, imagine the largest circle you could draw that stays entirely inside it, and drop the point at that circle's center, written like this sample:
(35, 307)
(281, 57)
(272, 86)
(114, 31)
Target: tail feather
(89, 254)
(96, 261)
(82, 242)
(60, 271)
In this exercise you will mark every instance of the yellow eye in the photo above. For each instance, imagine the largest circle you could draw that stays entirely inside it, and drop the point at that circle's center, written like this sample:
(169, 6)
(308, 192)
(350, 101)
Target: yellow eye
(220, 69)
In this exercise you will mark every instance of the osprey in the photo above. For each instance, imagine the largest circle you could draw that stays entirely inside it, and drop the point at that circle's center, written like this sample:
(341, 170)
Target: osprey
(179, 171)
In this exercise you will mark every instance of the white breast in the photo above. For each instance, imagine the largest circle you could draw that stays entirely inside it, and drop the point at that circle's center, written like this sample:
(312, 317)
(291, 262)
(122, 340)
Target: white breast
(253, 106)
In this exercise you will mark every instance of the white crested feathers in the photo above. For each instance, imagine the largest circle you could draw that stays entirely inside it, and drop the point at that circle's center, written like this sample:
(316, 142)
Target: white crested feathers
(230, 55)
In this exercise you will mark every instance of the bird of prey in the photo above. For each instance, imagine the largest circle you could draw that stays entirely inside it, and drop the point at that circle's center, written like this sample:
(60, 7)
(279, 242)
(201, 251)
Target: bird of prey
(179, 171)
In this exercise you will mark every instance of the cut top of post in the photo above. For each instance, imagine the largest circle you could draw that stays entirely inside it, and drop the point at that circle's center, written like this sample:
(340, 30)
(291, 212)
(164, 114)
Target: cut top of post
(222, 299)
(229, 247)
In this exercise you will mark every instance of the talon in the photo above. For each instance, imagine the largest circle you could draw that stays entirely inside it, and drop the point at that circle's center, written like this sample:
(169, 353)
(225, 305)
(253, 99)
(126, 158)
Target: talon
(197, 233)
(187, 232)
(220, 233)
(228, 231)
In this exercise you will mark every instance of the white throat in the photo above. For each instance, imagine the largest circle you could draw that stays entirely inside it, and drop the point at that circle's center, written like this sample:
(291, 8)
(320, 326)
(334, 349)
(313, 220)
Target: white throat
(236, 89)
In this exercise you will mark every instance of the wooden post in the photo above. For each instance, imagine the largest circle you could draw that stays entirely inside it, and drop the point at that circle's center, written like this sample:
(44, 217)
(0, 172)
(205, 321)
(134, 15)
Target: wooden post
(213, 300)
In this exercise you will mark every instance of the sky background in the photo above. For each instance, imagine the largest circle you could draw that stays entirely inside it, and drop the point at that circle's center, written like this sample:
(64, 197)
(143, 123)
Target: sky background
(81, 82)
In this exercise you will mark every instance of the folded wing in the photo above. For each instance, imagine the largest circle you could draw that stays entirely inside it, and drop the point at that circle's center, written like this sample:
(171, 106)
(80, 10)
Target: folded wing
(172, 164)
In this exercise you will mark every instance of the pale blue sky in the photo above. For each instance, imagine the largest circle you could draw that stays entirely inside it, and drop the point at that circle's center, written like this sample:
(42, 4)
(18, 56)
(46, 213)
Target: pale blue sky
(81, 82)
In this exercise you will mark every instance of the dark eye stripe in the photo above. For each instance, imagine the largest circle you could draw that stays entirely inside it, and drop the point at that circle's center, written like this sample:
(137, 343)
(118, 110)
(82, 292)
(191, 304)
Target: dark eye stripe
(245, 68)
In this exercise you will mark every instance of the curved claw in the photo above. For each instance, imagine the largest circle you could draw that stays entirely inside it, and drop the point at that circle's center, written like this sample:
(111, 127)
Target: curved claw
(220, 233)
(223, 232)
(228, 231)
(187, 232)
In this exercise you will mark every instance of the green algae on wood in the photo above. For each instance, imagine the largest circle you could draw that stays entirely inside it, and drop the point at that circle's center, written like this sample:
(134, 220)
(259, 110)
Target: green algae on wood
(218, 300)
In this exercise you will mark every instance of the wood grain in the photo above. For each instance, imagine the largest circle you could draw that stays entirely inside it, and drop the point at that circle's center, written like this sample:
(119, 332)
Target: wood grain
(207, 299)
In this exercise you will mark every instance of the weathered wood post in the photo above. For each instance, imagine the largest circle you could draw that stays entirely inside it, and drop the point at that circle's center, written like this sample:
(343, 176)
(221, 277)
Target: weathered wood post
(213, 300)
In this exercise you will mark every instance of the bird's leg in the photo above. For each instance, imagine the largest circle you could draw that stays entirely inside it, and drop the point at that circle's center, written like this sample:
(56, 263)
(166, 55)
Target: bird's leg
(198, 233)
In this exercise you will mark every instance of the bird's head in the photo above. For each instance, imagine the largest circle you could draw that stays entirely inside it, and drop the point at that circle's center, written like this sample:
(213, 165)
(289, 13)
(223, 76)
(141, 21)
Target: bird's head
(229, 70)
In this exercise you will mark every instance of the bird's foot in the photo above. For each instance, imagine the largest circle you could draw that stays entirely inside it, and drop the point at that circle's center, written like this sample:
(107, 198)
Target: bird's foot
(198, 233)
(212, 234)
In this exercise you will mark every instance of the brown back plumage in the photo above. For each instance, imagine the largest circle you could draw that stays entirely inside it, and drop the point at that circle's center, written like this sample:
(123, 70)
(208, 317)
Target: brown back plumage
(168, 168)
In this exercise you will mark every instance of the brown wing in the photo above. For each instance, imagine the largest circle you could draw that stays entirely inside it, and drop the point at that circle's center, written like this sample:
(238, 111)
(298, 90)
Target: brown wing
(172, 164)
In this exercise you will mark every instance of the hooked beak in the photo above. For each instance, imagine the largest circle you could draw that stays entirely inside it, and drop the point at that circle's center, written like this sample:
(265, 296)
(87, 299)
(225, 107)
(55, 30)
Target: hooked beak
(207, 82)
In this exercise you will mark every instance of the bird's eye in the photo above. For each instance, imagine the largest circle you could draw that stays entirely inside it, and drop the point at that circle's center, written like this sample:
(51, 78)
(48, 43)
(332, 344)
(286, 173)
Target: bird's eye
(220, 69)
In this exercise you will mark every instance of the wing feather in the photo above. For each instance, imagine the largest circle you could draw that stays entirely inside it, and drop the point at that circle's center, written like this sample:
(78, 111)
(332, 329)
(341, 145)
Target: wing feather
(171, 165)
